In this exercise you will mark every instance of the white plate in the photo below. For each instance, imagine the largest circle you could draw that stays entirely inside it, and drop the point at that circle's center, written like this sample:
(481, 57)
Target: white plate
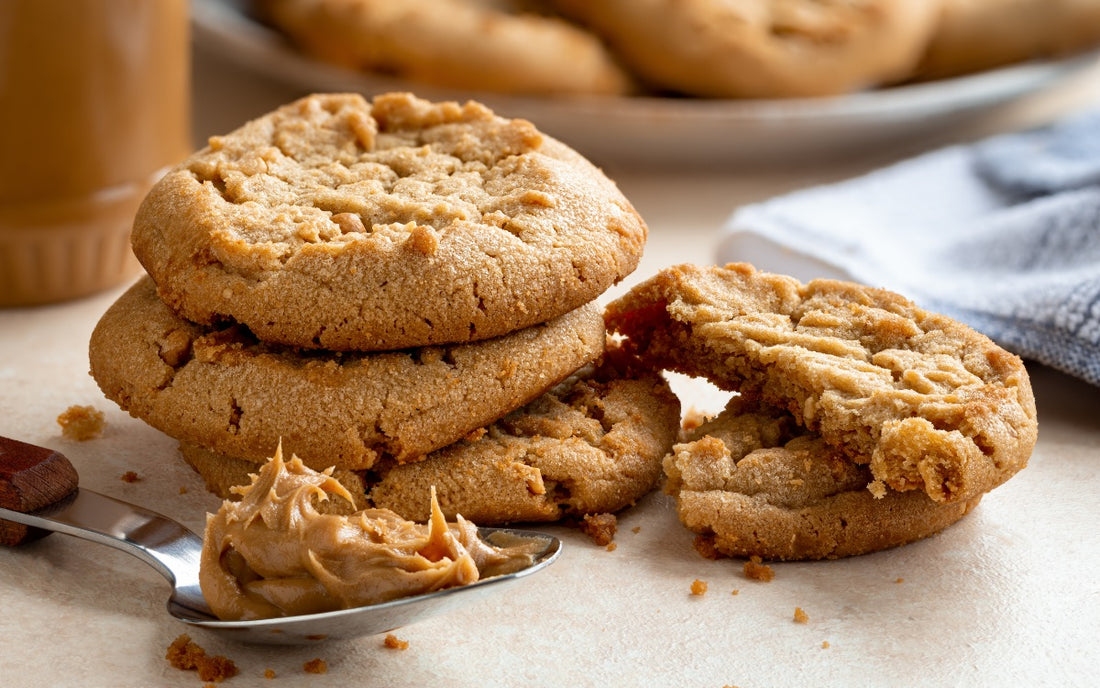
(669, 130)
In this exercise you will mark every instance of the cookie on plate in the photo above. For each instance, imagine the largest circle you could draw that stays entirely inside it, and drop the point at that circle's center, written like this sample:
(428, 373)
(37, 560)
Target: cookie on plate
(508, 46)
(751, 482)
(221, 388)
(973, 35)
(593, 444)
(763, 48)
(926, 401)
(343, 224)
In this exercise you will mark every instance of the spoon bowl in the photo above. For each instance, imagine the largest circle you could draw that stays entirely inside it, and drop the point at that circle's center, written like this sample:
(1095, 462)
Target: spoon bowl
(28, 472)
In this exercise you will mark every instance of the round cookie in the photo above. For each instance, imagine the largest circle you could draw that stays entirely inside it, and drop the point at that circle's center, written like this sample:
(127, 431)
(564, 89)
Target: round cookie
(973, 35)
(222, 389)
(752, 483)
(340, 224)
(763, 48)
(927, 402)
(507, 46)
(593, 444)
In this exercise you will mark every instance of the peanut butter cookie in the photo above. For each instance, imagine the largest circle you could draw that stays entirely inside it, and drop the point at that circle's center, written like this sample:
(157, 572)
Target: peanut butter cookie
(763, 48)
(752, 483)
(339, 224)
(220, 388)
(973, 35)
(927, 402)
(593, 444)
(508, 46)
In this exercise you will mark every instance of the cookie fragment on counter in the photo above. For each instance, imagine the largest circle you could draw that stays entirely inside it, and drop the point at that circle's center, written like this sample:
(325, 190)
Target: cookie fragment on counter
(752, 483)
(81, 423)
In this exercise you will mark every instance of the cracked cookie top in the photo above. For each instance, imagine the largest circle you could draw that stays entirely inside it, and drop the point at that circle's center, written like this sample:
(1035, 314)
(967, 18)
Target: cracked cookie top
(221, 388)
(342, 224)
(926, 401)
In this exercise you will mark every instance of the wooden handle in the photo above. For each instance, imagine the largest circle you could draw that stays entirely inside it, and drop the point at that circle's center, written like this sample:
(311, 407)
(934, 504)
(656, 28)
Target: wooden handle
(31, 478)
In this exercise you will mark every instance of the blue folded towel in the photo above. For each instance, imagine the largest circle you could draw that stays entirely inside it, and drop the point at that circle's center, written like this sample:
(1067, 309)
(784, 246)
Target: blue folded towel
(1003, 235)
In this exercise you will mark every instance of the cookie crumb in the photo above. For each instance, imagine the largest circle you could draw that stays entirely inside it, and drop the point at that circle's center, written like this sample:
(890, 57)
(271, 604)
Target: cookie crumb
(877, 489)
(185, 655)
(704, 545)
(800, 615)
(269, 673)
(600, 527)
(824, 644)
(899, 580)
(315, 666)
(758, 571)
(611, 547)
(735, 591)
(81, 423)
(183, 490)
(475, 435)
(130, 477)
(636, 529)
(395, 643)
(698, 587)
(423, 240)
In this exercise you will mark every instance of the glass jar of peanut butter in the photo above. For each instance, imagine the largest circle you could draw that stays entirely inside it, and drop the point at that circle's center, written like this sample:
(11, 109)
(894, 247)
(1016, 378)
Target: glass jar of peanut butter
(94, 105)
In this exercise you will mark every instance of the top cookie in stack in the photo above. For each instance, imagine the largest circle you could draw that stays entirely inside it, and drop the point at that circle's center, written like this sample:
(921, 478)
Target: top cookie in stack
(370, 283)
(345, 225)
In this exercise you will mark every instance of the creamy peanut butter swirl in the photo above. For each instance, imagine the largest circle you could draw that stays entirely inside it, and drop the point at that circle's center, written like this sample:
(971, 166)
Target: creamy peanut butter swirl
(274, 553)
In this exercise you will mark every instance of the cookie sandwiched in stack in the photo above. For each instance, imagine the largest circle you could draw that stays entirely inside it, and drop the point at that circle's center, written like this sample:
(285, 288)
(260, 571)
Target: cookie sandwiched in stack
(861, 421)
(403, 290)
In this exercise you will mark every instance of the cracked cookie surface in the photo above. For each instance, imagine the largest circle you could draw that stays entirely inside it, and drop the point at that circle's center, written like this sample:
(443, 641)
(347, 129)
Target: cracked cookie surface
(925, 401)
(752, 483)
(593, 444)
(342, 224)
(221, 388)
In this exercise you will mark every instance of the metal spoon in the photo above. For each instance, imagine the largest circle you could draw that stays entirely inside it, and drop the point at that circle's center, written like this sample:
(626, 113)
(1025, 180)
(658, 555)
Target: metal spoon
(29, 473)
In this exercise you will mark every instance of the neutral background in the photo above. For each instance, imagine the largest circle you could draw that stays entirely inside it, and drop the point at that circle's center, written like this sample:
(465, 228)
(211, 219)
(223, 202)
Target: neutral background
(1009, 596)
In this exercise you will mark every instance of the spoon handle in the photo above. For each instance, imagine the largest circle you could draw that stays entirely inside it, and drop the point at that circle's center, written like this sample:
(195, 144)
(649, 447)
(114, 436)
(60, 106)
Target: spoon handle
(31, 478)
(38, 489)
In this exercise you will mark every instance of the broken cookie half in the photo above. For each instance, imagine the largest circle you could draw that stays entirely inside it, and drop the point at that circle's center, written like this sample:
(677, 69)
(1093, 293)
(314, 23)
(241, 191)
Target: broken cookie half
(887, 413)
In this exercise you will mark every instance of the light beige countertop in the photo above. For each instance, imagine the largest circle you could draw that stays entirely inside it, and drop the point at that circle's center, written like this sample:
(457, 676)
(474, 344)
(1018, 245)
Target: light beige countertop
(1008, 596)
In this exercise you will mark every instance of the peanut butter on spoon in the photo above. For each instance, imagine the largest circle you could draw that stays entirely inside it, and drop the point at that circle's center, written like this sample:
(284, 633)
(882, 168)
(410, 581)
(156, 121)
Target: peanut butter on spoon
(274, 554)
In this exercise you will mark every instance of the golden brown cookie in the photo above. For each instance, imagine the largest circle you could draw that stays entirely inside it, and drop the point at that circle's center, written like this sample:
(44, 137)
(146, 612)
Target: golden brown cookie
(509, 46)
(593, 444)
(340, 224)
(928, 402)
(763, 48)
(753, 483)
(222, 389)
(973, 35)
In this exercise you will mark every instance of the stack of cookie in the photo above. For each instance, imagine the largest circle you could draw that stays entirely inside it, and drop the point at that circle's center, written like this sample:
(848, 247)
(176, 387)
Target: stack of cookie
(399, 289)
(860, 422)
